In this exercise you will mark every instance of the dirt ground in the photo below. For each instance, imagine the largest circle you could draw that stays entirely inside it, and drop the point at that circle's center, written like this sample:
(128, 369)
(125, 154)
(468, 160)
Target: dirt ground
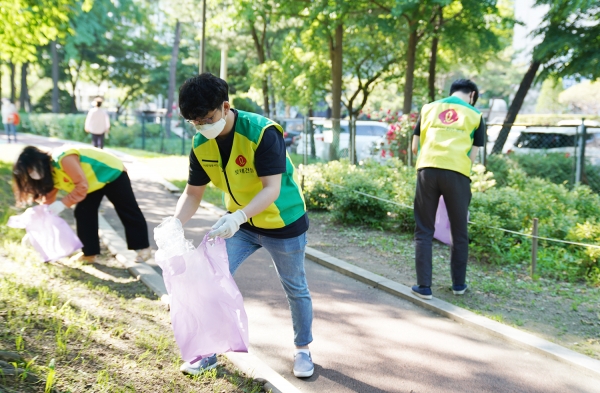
(104, 330)
(565, 313)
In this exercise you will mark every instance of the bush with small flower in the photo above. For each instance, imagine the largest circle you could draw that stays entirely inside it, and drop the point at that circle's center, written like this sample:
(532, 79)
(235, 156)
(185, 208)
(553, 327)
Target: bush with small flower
(397, 139)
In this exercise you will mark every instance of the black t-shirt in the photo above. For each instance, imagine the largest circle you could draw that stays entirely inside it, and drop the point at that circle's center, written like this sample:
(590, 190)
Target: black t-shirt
(269, 159)
(478, 138)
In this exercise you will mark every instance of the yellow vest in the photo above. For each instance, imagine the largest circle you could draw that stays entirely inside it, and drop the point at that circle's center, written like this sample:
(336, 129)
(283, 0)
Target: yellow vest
(238, 178)
(447, 130)
(99, 167)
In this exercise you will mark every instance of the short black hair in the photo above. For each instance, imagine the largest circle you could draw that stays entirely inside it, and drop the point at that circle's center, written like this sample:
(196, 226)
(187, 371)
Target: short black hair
(466, 86)
(202, 94)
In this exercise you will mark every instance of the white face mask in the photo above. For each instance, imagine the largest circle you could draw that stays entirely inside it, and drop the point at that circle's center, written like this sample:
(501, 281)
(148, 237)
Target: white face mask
(35, 175)
(211, 131)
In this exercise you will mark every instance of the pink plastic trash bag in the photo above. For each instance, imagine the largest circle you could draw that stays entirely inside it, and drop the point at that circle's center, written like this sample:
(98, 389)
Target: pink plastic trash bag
(207, 308)
(49, 234)
(442, 223)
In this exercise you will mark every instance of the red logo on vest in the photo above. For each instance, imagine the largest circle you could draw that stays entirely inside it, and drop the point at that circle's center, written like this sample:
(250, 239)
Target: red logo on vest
(241, 160)
(448, 116)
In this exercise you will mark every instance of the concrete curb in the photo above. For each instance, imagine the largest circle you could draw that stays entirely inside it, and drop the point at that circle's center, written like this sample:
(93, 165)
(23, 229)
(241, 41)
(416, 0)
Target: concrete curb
(142, 271)
(245, 362)
(253, 366)
(523, 339)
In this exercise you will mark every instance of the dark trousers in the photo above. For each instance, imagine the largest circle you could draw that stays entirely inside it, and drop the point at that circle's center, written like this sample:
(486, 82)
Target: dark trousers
(98, 141)
(119, 192)
(456, 189)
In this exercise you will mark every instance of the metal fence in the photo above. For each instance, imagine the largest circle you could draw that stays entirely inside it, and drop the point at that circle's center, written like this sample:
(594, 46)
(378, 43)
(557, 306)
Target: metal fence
(564, 153)
(151, 134)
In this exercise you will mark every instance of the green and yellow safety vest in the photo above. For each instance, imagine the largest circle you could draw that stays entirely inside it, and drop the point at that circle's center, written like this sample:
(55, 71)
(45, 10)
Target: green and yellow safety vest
(238, 178)
(447, 130)
(99, 167)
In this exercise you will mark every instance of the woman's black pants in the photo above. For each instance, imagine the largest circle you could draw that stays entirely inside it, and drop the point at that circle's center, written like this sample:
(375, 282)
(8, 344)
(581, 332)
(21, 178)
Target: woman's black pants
(120, 194)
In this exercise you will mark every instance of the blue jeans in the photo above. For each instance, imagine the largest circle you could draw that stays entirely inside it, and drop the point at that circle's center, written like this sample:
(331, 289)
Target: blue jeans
(288, 258)
(10, 129)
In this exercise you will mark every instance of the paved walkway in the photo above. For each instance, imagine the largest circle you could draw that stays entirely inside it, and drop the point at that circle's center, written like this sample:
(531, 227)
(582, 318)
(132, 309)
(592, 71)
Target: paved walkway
(367, 340)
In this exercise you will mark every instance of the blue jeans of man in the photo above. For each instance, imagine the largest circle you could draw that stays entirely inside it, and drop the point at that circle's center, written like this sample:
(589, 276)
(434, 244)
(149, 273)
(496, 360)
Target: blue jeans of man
(288, 259)
(10, 129)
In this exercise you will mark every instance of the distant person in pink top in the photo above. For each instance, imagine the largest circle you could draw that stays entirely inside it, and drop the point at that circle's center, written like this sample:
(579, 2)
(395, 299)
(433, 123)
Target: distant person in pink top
(97, 123)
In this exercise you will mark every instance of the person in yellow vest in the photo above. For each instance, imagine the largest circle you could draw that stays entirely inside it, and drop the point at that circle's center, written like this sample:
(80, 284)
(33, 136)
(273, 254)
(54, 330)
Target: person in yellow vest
(244, 155)
(87, 174)
(446, 138)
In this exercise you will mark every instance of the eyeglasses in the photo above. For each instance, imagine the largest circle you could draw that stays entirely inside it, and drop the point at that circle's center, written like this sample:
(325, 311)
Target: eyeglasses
(206, 120)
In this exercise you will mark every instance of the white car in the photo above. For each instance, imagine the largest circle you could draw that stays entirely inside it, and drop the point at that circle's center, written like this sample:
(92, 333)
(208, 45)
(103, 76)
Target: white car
(513, 135)
(559, 140)
(367, 134)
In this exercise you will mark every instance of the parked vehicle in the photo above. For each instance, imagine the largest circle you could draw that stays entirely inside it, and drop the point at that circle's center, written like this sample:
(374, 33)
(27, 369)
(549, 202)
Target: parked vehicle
(367, 133)
(292, 128)
(559, 140)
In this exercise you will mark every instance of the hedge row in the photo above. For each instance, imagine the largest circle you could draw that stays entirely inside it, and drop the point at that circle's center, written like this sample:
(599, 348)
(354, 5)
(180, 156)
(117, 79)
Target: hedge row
(563, 213)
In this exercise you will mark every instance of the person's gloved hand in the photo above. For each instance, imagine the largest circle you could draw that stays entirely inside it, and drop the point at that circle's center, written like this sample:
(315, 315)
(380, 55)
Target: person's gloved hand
(228, 225)
(56, 207)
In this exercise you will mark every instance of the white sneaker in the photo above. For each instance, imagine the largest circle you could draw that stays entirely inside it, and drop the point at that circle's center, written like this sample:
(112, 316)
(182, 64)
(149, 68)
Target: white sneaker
(199, 366)
(144, 254)
(303, 365)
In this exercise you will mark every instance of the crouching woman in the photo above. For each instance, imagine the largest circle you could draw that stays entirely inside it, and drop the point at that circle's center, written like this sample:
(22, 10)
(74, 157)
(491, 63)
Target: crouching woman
(87, 175)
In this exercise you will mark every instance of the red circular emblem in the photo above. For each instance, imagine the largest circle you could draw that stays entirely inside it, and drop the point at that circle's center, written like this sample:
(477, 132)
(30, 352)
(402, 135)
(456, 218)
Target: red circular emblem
(241, 160)
(448, 116)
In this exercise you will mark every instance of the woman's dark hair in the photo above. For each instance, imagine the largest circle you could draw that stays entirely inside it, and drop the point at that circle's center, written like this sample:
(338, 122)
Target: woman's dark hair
(202, 94)
(25, 188)
(466, 86)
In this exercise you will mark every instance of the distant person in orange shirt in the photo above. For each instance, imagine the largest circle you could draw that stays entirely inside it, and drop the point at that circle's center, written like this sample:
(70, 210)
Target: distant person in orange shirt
(97, 123)
(9, 114)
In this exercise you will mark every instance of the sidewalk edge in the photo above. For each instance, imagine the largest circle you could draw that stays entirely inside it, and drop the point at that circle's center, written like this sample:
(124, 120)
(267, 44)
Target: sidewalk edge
(245, 362)
(117, 246)
(521, 338)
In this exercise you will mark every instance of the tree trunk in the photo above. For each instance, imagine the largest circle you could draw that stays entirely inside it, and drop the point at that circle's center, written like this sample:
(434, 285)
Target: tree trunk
(1, 83)
(515, 106)
(172, 78)
(259, 44)
(433, 61)
(336, 54)
(54, 53)
(265, 89)
(410, 71)
(13, 87)
(24, 97)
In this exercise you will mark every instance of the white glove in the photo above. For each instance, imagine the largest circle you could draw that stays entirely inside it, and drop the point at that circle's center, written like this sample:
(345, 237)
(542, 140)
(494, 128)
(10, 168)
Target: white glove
(228, 225)
(56, 207)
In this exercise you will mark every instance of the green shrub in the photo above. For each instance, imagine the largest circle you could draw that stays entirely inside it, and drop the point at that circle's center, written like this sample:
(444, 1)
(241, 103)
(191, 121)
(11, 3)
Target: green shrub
(62, 126)
(563, 212)
(121, 135)
(246, 104)
(554, 167)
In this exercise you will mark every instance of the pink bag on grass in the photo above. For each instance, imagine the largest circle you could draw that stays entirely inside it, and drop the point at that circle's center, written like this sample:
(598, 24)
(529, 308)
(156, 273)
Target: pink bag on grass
(49, 234)
(207, 308)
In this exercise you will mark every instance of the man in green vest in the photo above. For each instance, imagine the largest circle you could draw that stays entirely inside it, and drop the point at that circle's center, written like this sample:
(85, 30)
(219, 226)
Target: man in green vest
(244, 155)
(446, 138)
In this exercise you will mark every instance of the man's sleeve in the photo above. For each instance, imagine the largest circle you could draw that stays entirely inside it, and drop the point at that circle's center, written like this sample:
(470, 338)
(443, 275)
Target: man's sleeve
(417, 130)
(479, 138)
(197, 175)
(270, 153)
